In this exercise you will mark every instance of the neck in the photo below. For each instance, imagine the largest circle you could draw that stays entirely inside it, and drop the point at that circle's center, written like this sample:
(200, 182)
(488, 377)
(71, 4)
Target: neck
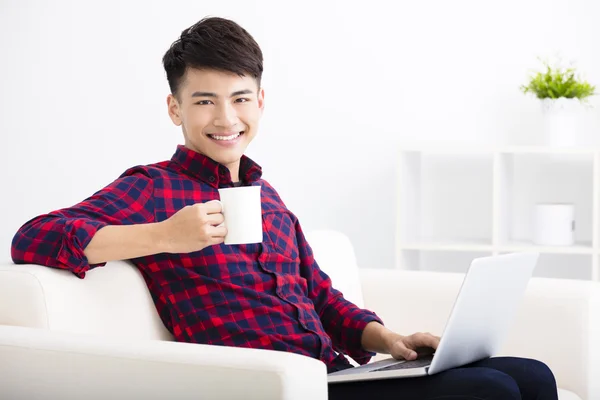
(234, 171)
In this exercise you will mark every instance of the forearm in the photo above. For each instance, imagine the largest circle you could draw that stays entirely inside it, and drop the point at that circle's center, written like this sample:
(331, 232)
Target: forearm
(123, 242)
(55, 241)
(377, 338)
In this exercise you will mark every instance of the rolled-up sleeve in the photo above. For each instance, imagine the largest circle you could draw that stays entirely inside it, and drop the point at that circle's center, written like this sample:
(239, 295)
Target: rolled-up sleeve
(58, 239)
(343, 321)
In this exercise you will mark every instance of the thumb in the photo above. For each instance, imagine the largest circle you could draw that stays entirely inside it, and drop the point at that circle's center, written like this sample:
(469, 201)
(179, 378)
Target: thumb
(400, 351)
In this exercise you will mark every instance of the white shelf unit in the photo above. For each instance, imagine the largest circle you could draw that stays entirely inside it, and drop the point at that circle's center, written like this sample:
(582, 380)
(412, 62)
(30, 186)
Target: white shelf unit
(457, 203)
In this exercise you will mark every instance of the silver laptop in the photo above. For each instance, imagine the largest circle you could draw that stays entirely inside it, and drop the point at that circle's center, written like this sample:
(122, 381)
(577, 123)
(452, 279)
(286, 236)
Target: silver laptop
(479, 322)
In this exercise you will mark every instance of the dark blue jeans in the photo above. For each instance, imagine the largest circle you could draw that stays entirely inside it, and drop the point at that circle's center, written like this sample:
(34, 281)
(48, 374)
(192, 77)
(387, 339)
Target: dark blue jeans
(501, 378)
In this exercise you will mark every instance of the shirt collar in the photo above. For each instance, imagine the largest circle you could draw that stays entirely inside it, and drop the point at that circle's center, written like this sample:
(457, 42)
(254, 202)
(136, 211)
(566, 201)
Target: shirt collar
(211, 172)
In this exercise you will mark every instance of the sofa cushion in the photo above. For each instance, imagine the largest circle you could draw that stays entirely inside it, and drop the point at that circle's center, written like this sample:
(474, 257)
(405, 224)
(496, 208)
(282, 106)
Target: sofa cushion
(567, 395)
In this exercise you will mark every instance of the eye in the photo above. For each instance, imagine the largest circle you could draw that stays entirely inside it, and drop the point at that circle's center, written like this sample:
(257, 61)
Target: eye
(204, 102)
(242, 100)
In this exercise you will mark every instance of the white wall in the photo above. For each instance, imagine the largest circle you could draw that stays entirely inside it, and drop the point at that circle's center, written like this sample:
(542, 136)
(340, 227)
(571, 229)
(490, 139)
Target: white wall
(83, 94)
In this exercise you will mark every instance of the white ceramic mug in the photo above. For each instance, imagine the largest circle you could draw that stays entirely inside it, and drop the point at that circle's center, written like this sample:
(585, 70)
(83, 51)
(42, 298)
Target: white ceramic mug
(242, 213)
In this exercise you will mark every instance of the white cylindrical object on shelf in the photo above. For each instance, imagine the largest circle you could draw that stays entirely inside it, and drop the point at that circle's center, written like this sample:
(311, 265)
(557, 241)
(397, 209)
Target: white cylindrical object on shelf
(554, 224)
(563, 122)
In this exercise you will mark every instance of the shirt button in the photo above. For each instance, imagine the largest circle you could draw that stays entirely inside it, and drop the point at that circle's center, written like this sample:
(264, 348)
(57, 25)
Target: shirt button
(211, 179)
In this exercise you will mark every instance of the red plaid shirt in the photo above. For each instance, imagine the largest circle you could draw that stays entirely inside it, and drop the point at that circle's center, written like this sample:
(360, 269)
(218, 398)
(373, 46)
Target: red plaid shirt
(270, 295)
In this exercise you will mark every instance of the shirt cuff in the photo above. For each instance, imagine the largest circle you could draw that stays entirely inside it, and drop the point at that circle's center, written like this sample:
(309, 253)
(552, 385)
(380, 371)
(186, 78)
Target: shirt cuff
(357, 353)
(347, 323)
(79, 233)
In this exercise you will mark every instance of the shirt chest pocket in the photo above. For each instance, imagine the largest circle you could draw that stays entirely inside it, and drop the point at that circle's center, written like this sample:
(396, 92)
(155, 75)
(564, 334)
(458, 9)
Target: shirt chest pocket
(279, 234)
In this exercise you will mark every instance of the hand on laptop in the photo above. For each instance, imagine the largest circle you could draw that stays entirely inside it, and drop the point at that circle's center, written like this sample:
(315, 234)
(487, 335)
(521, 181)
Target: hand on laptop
(380, 339)
(413, 346)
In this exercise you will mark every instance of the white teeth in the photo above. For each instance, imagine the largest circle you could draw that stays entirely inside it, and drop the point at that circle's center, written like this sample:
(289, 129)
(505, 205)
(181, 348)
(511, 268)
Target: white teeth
(230, 137)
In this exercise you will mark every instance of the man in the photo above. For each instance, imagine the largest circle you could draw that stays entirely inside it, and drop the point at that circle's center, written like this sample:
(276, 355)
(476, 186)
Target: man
(165, 218)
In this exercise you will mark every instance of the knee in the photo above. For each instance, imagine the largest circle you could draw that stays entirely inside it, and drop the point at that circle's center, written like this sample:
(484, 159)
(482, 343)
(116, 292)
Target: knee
(491, 384)
(541, 371)
(539, 374)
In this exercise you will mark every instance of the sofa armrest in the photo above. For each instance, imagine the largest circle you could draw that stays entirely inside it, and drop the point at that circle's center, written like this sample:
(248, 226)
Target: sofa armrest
(112, 300)
(557, 323)
(41, 364)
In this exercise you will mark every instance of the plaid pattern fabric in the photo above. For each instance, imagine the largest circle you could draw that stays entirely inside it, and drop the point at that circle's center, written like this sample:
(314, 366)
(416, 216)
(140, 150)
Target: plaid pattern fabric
(270, 295)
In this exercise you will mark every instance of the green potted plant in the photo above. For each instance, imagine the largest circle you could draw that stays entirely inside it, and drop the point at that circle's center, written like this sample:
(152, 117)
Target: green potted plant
(563, 96)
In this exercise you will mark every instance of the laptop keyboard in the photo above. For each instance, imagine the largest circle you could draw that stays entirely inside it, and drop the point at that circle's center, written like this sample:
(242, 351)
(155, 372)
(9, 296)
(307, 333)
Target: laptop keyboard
(422, 362)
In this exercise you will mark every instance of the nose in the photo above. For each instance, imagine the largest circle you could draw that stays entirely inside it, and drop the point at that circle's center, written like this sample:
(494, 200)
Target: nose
(226, 116)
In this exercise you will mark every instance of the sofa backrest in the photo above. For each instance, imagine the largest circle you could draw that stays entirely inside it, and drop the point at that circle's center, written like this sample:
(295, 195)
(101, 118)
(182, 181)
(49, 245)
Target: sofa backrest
(335, 255)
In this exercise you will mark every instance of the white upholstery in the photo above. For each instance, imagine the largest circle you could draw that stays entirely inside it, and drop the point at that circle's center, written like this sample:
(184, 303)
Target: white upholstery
(101, 337)
(339, 265)
(112, 301)
(567, 395)
(128, 354)
(38, 364)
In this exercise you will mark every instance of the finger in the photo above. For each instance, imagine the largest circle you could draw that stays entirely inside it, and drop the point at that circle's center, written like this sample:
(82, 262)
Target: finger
(218, 232)
(437, 341)
(399, 351)
(215, 219)
(423, 340)
(217, 240)
(432, 340)
(213, 206)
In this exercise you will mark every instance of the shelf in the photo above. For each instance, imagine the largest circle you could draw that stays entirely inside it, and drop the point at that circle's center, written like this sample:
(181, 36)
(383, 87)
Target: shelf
(514, 247)
(547, 150)
(565, 266)
(456, 201)
(449, 150)
(453, 148)
(464, 184)
(483, 246)
(471, 246)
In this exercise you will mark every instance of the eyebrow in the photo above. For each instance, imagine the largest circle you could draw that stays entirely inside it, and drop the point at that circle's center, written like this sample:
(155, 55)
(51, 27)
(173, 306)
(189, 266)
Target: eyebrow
(211, 94)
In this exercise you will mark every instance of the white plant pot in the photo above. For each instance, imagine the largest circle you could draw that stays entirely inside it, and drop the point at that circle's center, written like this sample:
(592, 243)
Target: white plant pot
(562, 122)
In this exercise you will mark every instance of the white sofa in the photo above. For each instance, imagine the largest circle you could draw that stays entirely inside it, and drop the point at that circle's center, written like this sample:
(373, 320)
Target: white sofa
(100, 338)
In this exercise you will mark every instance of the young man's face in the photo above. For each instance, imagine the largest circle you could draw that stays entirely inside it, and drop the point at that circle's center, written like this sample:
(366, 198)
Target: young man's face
(219, 113)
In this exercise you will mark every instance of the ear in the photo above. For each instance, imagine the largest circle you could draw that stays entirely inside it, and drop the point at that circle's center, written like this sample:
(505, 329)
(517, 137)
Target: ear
(261, 100)
(174, 110)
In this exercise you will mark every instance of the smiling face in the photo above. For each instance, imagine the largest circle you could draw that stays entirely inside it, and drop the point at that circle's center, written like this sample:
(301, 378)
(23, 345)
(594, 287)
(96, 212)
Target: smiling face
(219, 113)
